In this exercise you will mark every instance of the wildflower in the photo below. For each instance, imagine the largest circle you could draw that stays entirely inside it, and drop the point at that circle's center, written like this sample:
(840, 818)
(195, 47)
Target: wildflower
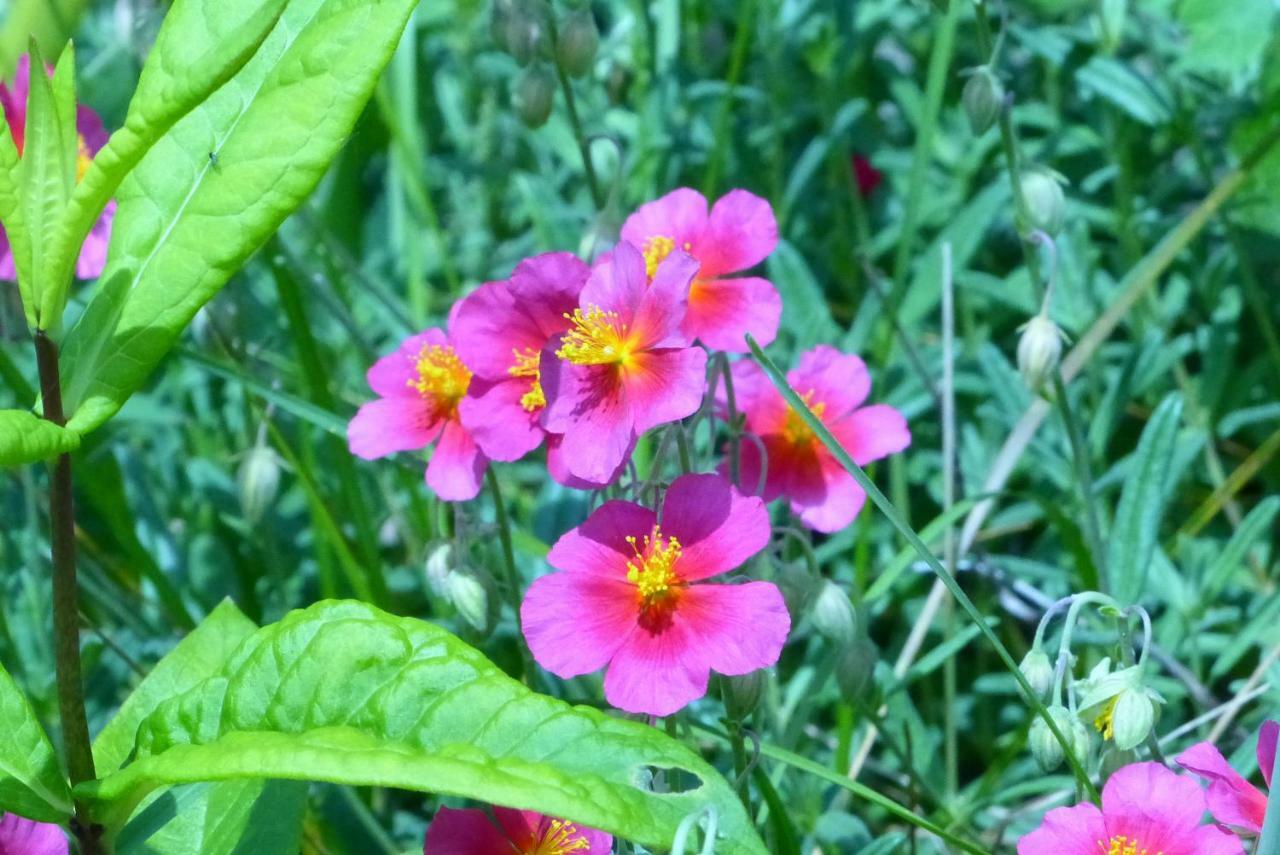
(1038, 670)
(627, 596)
(799, 466)
(1039, 350)
(1232, 800)
(510, 832)
(1146, 810)
(22, 836)
(92, 136)
(738, 233)
(420, 387)
(866, 176)
(1117, 703)
(624, 366)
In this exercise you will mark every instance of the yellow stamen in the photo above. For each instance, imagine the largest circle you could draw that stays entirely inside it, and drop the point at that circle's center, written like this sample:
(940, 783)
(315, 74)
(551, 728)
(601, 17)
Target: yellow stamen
(597, 338)
(441, 377)
(83, 159)
(653, 571)
(561, 838)
(528, 364)
(656, 250)
(1103, 721)
(795, 427)
(1121, 845)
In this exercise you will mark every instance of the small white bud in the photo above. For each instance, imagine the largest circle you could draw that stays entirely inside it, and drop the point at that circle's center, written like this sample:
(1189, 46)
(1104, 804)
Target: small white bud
(1132, 718)
(1045, 747)
(470, 598)
(1046, 203)
(438, 566)
(259, 481)
(833, 615)
(1039, 351)
(1038, 670)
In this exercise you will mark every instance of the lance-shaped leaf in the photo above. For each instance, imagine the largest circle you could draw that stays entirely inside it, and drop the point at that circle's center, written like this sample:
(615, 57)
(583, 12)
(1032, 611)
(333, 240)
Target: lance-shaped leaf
(345, 693)
(27, 438)
(31, 782)
(226, 818)
(218, 184)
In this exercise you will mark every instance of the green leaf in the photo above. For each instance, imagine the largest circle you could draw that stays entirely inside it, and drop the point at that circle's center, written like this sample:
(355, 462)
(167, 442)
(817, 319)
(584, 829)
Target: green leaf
(226, 818)
(1142, 98)
(345, 693)
(218, 184)
(27, 438)
(1137, 521)
(1227, 38)
(31, 782)
(1231, 558)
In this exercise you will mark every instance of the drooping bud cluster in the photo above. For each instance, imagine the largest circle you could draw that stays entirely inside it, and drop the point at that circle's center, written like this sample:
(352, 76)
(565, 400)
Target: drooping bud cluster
(529, 32)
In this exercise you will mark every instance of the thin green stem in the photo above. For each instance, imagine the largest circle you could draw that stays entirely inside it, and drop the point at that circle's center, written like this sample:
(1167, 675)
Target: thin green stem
(737, 62)
(584, 145)
(682, 446)
(1084, 478)
(512, 581)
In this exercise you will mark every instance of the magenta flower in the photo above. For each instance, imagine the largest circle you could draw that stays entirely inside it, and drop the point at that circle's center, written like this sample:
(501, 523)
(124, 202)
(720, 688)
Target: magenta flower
(500, 331)
(627, 597)
(739, 233)
(1233, 800)
(624, 366)
(420, 387)
(20, 836)
(799, 466)
(1146, 810)
(866, 176)
(510, 832)
(92, 136)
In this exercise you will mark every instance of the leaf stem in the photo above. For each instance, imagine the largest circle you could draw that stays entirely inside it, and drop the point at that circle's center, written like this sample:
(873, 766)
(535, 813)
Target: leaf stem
(509, 566)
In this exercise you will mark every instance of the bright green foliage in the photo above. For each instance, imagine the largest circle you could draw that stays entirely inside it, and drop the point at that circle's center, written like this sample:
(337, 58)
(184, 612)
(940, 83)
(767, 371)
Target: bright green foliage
(218, 184)
(225, 818)
(345, 693)
(31, 782)
(1226, 37)
(27, 438)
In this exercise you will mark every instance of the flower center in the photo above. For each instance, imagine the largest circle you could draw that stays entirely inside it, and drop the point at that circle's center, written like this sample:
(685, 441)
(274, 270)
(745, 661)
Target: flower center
(597, 338)
(442, 378)
(1104, 723)
(528, 364)
(796, 428)
(656, 250)
(560, 838)
(653, 570)
(1121, 845)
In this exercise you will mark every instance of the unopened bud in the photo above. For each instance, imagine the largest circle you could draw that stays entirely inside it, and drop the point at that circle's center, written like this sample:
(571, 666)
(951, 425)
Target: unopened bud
(856, 667)
(742, 694)
(1042, 190)
(438, 567)
(469, 597)
(833, 615)
(1132, 718)
(799, 589)
(983, 99)
(1080, 739)
(1038, 670)
(577, 42)
(1039, 350)
(518, 28)
(1045, 747)
(534, 93)
(259, 482)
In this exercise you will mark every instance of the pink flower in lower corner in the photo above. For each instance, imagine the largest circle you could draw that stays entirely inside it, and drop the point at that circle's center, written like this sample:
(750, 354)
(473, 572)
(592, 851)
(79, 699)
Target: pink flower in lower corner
(799, 466)
(1146, 810)
(624, 366)
(92, 137)
(20, 836)
(420, 387)
(510, 832)
(1233, 800)
(738, 233)
(628, 596)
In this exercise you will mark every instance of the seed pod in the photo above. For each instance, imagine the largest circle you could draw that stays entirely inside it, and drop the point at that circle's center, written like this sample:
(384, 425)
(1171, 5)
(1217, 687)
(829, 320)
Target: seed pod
(1038, 670)
(534, 93)
(742, 694)
(983, 99)
(1132, 718)
(469, 597)
(577, 42)
(1045, 747)
(856, 668)
(833, 615)
(258, 479)
(1039, 350)
(1046, 203)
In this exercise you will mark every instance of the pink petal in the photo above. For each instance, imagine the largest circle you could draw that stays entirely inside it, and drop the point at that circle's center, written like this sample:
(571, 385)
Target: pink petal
(1210, 840)
(838, 380)
(740, 233)
(1232, 800)
(589, 405)
(599, 545)
(718, 527)
(464, 832)
(387, 425)
(755, 396)
(872, 433)
(657, 673)
(665, 385)
(722, 311)
(8, 271)
(89, 126)
(558, 467)
(834, 505)
(617, 283)
(457, 465)
(680, 215)
(93, 252)
(1153, 804)
(1066, 831)
(499, 423)
(390, 376)
(574, 622)
(1267, 748)
(660, 314)
(548, 286)
(738, 628)
(21, 836)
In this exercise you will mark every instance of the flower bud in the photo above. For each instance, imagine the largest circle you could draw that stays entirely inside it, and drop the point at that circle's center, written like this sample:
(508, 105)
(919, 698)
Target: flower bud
(799, 589)
(438, 567)
(856, 668)
(983, 99)
(1042, 190)
(535, 90)
(1132, 718)
(833, 615)
(1080, 739)
(577, 42)
(742, 694)
(518, 28)
(1038, 670)
(259, 481)
(1039, 350)
(1045, 747)
(469, 597)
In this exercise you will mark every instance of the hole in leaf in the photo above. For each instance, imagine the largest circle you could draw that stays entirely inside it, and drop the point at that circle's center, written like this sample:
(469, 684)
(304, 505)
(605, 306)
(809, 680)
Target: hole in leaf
(666, 779)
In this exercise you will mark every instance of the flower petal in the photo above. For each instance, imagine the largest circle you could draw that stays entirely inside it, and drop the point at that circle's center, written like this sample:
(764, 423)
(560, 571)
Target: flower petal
(832, 506)
(1267, 748)
(589, 405)
(871, 433)
(574, 622)
(660, 314)
(93, 252)
(718, 527)
(657, 672)
(722, 311)
(493, 415)
(387, 425)
(1150, 803)
(464, 832)
(1232, 800)
(457, 465)
(755, 396)
(738, 628)
(558, 467)
(1066, 831)
(740, 233)
(600, 545)
(390, 376)
(665, 385)
(838, 380)
(1210, 840)
(680, 215)
(617, 283)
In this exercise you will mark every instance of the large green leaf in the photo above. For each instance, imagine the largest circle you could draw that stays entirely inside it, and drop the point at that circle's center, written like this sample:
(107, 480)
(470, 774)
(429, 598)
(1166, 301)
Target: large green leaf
(27, 438)
(345, 693)
(226, 818)
(1226, 37)
(31, 782)
(218, 184)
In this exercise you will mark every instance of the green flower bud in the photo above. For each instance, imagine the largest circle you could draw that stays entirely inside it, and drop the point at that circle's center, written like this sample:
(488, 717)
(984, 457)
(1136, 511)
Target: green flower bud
(258, 479)
(470, 598)
(1132, 718)
(1080, 739)
(983, 99)
(439, 565)
(742, 694)
(1045, 747)
(833, 615)
(577, 42)
(1038, 670)
(856, 668)
(1046, 203)
(799, 589)
(534, 93)
(1039, 350)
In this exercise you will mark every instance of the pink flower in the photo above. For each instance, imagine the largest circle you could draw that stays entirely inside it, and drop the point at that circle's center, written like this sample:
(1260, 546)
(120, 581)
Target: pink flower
(19, 836)
(510, 832)
(624, 366)
(92, 135)
(1233, 800)
(627, 597)
(1146, 810)
(799, 466)
(420, 387)
(739, 233)
(866, 176)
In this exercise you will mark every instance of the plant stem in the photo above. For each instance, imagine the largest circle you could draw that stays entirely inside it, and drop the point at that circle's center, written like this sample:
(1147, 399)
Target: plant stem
(1084, 475)
(509, 566)
(583, 145)
(66, 615)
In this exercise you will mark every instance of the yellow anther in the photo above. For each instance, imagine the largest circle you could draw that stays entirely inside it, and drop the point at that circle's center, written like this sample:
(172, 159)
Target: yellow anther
(597, 338)
(653, 570)
(560, 838)
(441, 377)
(795, 428)
(1103, 721)
(656, 250)
(529, 364)
(1122, 845)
